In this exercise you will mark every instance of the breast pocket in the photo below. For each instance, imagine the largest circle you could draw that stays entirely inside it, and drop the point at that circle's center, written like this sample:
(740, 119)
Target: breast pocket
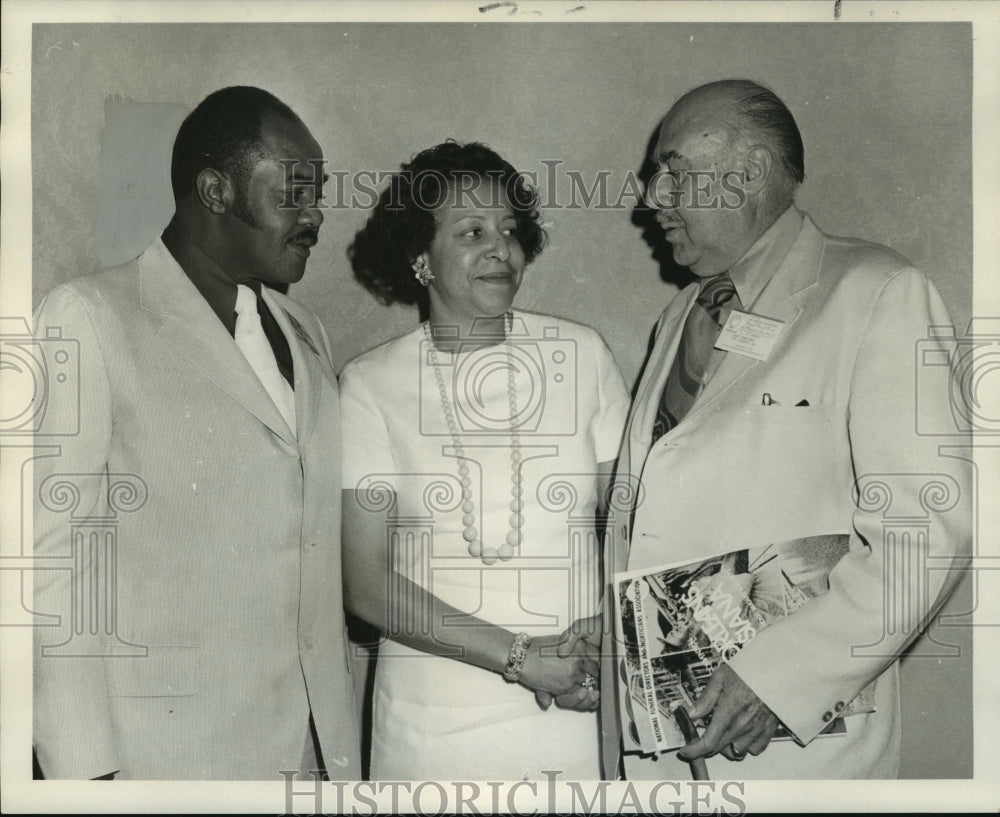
(800, 459)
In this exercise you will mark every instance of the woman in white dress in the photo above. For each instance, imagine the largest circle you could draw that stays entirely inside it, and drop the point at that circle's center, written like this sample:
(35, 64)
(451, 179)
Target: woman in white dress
(477, 449)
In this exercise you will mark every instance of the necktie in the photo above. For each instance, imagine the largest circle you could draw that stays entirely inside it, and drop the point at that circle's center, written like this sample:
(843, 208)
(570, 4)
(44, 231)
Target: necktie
(252, 341)
(692, 364)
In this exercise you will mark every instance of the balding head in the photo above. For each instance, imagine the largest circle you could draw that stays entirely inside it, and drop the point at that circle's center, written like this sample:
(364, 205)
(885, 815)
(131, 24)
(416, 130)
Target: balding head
(730, 157)
(750, 114)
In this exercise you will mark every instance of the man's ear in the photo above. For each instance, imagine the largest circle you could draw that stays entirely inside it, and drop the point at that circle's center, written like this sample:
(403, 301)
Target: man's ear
(759, 164)
(215, 190)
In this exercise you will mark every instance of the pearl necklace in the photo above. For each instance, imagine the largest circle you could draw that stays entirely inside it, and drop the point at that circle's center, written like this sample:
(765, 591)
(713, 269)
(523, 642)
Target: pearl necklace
(507, 549)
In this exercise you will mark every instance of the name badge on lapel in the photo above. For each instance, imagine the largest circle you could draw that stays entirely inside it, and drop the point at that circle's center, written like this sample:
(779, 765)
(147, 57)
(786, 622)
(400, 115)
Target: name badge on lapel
(749, 335)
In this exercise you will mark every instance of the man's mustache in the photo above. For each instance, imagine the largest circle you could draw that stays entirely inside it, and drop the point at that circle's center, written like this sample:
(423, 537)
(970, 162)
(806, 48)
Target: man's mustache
(308, 236)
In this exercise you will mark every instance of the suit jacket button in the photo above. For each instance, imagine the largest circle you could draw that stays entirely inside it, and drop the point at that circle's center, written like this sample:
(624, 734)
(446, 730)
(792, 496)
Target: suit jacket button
(827, 717)
(839, 706)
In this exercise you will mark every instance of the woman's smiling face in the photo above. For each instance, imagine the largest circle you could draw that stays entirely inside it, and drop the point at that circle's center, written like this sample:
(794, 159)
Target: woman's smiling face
(475, 256)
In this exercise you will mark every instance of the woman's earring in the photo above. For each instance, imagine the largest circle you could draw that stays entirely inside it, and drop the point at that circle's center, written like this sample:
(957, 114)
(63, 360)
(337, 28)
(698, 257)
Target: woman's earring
(422, 272)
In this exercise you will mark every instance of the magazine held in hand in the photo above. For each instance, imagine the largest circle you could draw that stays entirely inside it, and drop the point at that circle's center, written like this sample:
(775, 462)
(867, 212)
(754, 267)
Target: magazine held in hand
(677, 623)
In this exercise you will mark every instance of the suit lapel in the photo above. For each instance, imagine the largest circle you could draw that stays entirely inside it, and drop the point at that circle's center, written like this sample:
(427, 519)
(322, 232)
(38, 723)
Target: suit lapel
(639, 426)
(780, 299)
(193, 331)
(647, 396)
(306, 358)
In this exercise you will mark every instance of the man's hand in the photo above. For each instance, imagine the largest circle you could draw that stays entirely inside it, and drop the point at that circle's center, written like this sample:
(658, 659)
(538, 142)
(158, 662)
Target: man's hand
(582, 637)
(741, 722)
(581, 699)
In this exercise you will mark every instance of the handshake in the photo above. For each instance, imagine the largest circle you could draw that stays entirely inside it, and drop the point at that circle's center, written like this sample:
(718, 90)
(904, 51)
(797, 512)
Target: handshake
(568, 669)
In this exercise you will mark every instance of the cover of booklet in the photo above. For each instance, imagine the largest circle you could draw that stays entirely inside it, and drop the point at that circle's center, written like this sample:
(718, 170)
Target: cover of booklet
(677, 623)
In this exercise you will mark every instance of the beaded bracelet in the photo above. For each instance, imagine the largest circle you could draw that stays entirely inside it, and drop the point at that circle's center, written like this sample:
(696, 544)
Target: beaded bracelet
(515, 659)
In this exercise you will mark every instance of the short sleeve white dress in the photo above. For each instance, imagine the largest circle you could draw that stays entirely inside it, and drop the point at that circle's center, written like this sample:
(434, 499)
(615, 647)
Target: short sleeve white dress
(439, 718)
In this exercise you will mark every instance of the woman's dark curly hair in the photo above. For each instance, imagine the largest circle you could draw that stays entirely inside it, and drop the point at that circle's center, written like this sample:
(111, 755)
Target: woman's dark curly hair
(402, 225)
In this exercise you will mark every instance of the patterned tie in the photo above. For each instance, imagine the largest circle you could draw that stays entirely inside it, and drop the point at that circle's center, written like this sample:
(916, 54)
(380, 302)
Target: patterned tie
(252, 341)
(692, 365)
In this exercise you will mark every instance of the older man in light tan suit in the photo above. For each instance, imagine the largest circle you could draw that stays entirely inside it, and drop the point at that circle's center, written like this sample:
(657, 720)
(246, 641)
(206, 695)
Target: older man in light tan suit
(815, 435)
(207, 640)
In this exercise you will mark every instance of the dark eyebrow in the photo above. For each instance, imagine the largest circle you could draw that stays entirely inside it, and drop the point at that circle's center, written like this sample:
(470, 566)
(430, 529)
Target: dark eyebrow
(482, 216)
(301, 177)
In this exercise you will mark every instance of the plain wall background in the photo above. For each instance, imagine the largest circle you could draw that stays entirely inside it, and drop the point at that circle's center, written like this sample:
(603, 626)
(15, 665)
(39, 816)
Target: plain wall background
(884, 110)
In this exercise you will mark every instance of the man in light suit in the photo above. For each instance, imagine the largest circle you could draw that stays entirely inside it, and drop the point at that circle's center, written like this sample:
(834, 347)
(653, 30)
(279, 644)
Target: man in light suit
(796, 440)
(206, 641)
